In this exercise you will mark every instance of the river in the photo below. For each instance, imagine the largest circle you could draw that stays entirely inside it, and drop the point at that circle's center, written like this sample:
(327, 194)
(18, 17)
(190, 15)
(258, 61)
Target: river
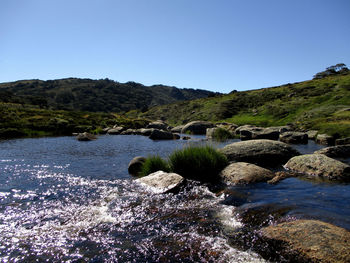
(62, 200)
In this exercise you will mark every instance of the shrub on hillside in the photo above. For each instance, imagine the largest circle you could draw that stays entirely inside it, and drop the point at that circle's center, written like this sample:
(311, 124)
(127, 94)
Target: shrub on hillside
(202, 163)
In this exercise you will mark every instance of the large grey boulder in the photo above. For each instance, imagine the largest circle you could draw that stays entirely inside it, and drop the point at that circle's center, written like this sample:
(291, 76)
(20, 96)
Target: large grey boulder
(342, 141)
(339, 151)
(197, 127)
(160, 125)
(115, 131)
(245, 173)
(307, 241)
(261, 152)
(161, 182)
(319, 165)
(161, 135)
(294, 137)
(135, 165)
(325, 139)
(85, 136)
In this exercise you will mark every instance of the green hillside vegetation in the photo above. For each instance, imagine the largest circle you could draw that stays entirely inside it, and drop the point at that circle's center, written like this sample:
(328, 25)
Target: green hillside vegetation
(18, 120)
(322, 104)
(102, 95)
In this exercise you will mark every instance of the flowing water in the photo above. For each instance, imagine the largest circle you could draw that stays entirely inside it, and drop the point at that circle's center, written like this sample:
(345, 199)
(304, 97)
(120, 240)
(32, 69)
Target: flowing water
(62, 200)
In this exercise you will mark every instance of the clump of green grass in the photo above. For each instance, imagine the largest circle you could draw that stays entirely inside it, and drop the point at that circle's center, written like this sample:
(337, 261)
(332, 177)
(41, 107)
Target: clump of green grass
(202, 163)
(154, 164)
(221, 134)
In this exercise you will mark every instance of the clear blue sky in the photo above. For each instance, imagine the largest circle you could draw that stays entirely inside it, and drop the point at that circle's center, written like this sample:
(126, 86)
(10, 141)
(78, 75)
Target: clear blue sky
(218, 45)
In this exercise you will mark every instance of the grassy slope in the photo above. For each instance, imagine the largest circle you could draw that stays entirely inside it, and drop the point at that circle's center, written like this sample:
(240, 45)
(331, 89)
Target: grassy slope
(315, 104)
(27, 121)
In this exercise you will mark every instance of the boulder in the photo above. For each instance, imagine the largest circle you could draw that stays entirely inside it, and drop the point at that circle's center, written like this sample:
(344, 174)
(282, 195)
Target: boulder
(283, 129)
(325, 139)
(339, 151)
(294, 137)
(135, 165)
(161, 182)
(177, 129)
(228, 126)
(161, 135)
(342, 141)
(128, 132)
(160, 125)
(266, 133)
(146, 132)
(245, 173)
(105, 130)
(248, 132)
(115, 131)
(261, 152)
(85, 136)
(319, 165)
(197, 127)
(185, 138)
(307, 241)
(312, 134)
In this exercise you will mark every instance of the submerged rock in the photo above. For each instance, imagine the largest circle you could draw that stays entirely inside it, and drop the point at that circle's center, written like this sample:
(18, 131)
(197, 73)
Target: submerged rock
(197, 127)
(308, 241)
(340, 151)
(161, 135)
(319, 165)
(245, 173)
(261, 152)
(161, 182)
(135, 165)
(294, 137)
(85, 136)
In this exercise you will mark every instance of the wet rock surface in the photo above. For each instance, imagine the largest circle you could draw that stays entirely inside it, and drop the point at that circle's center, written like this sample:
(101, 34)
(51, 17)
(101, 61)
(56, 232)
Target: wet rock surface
(281, 175)
(245, 173)
(261, 152)
(308, 241)
(319, 165)
(162, 182)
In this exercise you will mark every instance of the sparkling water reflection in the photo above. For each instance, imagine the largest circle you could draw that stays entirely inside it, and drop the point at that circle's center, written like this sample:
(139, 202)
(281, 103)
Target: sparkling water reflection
(67, 201)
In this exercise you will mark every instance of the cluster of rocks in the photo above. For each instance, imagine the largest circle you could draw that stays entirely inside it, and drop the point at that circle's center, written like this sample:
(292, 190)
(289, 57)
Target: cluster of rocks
(250, 160)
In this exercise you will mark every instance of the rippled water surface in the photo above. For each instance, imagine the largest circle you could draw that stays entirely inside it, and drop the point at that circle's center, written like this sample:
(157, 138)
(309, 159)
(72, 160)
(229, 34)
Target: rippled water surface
(62, 200)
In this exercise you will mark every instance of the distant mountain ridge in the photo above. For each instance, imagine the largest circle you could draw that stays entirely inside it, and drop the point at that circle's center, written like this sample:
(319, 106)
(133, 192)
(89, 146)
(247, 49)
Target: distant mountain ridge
(102, 95)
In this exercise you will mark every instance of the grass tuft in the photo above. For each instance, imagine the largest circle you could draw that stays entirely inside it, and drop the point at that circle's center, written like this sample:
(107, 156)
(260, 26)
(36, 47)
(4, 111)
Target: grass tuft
(154, 164)
(202, 163)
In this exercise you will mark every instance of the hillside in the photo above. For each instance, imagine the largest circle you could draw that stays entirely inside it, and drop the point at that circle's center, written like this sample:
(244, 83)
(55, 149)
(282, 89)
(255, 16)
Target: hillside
(321, 103)
(94, 95)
